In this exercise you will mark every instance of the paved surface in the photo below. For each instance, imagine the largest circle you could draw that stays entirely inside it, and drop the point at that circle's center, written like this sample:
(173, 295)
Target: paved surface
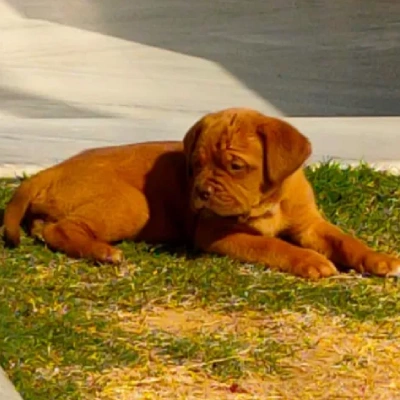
(28, 145)
(93, 73)
(78, 73)
(315, 58)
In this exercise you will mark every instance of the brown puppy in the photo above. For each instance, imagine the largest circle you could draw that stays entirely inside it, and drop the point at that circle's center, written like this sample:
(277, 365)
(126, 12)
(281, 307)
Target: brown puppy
(234, 187)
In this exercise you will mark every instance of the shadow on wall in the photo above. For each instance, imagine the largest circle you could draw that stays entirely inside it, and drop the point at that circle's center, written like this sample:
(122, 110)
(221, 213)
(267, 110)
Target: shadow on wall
(319, 58)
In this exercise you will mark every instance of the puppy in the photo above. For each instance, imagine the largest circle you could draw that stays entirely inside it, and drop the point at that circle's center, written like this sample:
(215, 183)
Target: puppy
(235, 187)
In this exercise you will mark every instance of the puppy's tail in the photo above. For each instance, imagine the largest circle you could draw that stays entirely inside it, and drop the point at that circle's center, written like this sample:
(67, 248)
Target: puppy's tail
(15, 212)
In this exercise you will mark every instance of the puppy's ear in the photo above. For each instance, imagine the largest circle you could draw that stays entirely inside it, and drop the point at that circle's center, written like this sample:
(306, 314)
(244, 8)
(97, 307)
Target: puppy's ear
(285, 149)
(189, 143)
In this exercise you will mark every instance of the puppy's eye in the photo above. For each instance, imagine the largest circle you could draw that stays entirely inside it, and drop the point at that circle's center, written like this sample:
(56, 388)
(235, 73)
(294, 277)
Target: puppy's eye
(237, 166)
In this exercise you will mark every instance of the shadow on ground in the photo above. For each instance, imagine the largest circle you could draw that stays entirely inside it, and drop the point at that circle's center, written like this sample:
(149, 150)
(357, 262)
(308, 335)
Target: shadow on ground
(19, 103)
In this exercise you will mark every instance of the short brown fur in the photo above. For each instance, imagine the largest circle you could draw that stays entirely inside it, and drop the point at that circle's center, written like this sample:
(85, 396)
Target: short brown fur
(235, 187)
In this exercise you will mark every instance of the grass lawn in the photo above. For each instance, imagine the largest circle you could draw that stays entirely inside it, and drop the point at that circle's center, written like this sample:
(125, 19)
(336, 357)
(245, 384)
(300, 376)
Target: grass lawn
(170, 325)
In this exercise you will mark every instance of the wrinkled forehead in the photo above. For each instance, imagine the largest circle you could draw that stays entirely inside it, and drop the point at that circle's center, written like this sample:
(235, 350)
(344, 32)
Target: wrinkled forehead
(232, 132)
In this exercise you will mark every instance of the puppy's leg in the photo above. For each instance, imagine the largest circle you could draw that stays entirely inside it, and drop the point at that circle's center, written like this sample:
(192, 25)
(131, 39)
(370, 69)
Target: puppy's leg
(344, 249)
(272, 252)
(75, 238)
(88, 230)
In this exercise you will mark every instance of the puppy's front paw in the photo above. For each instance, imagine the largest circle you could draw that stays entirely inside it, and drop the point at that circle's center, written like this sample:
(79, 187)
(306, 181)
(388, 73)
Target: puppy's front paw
(312, 265)
(380, 264)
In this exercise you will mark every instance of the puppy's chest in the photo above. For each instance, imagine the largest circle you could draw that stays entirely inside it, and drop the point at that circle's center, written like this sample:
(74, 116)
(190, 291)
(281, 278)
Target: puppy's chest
(270, 224)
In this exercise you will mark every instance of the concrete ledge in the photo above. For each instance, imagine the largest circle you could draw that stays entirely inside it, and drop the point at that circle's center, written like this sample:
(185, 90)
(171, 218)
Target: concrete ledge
(28, 145)
(7, 390)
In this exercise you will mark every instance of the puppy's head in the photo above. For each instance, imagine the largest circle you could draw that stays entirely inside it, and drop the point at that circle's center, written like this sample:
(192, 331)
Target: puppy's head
(236, 156)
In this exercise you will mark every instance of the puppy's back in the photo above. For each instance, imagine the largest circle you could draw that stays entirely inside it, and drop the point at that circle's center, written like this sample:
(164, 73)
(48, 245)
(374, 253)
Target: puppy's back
(150, 167)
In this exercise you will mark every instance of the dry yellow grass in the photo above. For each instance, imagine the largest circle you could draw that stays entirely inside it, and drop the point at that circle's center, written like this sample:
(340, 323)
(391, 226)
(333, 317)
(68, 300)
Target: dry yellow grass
(332, 359)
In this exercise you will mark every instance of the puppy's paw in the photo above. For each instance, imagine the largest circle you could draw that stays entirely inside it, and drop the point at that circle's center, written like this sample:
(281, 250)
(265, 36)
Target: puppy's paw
(115, 257)
(312, 265)
(105, 253)
(381, 264)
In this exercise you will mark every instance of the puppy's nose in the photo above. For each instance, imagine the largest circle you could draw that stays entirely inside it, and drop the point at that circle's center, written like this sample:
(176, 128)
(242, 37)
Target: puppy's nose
(204, 193)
